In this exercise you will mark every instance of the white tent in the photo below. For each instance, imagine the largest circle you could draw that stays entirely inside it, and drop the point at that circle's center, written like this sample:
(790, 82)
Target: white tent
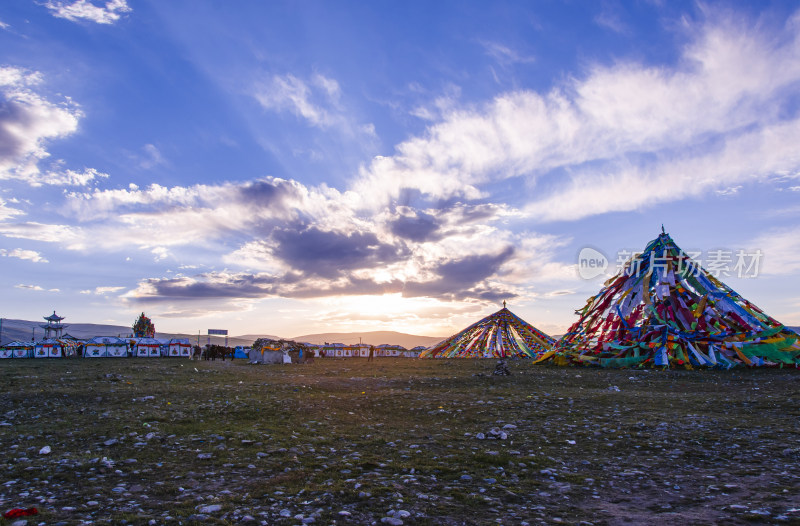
(20, 349)
(266, 355)
(105, 347)
(147, 348)
(179, 347)
(5, 352)
(50, 348)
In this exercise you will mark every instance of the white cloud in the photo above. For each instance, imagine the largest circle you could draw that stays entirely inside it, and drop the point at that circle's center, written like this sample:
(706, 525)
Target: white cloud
(100, 291)
(149, 217)
(329, 86)
(69, 177)
(624, 186)
(441, 106)
(34, 287)
(28, 287)
(160, 253)
(7, 212)
(611, 20)
(70, 237)
(3, 25)
(289, 93)
(780, 249)
(318, 102)
(504, 54)
(107, 290)
(624, 129)
(30, 255)
(731, 190)
(152, 157)
(27, 122)
(86, 10)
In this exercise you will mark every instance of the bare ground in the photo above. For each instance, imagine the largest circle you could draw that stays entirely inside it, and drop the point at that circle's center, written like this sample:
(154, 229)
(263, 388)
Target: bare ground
(395, 441)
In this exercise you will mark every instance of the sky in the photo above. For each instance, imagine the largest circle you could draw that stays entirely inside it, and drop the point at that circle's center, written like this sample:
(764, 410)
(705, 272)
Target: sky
(296, 167)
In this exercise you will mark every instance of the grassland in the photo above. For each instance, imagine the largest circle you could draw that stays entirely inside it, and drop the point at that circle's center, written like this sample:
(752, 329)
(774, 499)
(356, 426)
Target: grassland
(396, 441)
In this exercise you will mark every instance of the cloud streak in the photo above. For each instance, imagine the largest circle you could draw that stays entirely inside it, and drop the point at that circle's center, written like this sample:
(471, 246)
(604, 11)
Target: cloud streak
(308, 100)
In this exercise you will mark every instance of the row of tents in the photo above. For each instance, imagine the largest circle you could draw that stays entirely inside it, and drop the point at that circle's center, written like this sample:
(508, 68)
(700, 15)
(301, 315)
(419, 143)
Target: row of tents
(662, 309)
(266, 350)
(98, 347)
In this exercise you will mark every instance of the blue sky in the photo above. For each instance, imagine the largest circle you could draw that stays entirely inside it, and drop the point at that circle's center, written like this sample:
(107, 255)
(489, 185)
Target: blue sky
(298, 167)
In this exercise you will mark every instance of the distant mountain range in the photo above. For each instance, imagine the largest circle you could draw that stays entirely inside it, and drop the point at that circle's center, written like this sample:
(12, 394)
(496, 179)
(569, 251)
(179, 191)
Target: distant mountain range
(22, 330)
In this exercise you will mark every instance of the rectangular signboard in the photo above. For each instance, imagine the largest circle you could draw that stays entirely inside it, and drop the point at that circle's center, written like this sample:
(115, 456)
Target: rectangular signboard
(220, 332)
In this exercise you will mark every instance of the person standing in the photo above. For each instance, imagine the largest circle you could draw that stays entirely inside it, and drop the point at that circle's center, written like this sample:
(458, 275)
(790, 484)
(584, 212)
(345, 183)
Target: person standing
(371, 353)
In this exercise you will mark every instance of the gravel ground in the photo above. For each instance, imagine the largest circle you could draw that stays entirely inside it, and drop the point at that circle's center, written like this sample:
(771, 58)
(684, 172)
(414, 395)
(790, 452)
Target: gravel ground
(395, 441)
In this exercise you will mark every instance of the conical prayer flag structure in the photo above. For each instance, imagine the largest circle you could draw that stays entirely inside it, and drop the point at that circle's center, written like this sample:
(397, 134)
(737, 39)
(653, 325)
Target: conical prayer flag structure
(500, 335)
(663, 309)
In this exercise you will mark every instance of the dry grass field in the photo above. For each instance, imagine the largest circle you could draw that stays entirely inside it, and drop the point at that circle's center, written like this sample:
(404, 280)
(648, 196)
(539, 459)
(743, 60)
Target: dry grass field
(395, 441)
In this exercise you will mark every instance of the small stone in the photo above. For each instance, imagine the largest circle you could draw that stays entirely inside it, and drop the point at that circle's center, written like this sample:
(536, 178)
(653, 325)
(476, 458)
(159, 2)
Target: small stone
(204, 456)
(212, 508)
(110, 442)
(285, 513)
(45, 450)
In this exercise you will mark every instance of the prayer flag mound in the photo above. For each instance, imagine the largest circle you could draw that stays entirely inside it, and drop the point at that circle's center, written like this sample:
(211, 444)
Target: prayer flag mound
(663, 309)
(499, 335)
